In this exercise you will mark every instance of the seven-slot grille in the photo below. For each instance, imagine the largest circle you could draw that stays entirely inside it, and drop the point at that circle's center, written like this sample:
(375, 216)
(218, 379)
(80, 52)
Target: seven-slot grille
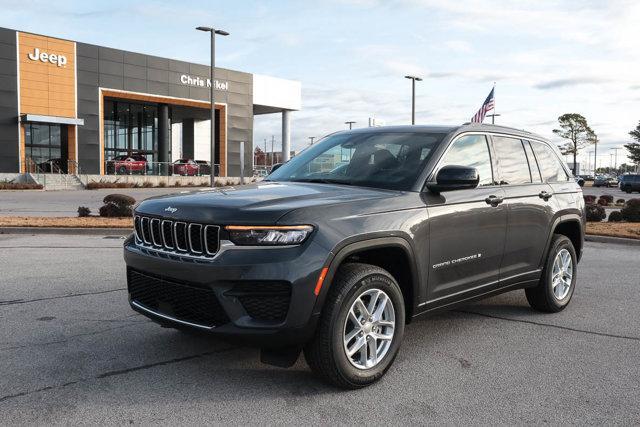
(180, 237)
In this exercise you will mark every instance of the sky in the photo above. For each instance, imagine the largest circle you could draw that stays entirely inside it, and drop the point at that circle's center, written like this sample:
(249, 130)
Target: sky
(545, 57)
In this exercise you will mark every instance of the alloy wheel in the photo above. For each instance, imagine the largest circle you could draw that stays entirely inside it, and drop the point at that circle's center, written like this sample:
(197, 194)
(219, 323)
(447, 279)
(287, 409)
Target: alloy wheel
(369, 329)
(562, 274)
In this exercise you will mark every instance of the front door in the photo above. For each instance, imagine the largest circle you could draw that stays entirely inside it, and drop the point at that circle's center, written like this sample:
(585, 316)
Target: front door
(466, 227)
(46, 147)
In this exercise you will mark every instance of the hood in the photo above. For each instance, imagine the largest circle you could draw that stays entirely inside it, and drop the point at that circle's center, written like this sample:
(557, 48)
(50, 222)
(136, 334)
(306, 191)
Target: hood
(261, 204)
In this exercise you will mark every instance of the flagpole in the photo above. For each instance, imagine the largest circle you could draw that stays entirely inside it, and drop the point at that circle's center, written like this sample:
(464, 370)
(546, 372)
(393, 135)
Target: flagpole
(493, 117)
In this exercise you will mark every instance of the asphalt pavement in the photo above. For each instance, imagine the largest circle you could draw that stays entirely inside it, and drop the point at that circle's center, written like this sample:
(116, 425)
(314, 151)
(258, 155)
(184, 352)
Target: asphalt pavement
(73, 352)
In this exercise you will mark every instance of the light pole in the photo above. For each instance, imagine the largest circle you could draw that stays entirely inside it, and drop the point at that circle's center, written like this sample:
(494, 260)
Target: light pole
(493, 117)
(350, 124)
(212, 73)
(413, 96)
(616, 158)
(312, 138)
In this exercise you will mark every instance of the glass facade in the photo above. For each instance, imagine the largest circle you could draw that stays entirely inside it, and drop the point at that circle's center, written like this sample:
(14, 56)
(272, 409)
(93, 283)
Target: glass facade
(45, 146)
(130, 128)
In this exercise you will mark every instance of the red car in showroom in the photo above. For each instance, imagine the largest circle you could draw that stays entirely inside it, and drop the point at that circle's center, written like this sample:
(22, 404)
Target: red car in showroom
(127, 164)
(186, 167)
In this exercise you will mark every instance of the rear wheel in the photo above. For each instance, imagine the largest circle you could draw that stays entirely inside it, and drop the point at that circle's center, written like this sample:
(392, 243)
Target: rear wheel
(360, 329)
(558, 281)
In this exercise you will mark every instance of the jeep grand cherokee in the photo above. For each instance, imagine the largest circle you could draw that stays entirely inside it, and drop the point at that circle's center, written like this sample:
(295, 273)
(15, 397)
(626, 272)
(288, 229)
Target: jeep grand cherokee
(336, 250)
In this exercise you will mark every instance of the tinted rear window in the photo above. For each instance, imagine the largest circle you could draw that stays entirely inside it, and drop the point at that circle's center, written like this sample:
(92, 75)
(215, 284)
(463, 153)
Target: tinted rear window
(512, 161)
(549, 163)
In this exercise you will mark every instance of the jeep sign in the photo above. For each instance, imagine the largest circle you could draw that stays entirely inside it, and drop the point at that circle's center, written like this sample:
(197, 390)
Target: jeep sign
(36, 55)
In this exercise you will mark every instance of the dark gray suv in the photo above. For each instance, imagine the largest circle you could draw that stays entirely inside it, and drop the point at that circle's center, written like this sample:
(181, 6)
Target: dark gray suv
(336, 250)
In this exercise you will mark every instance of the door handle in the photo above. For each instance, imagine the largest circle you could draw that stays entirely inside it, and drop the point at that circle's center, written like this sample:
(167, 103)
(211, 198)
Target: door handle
(494, 200)
(544, 195)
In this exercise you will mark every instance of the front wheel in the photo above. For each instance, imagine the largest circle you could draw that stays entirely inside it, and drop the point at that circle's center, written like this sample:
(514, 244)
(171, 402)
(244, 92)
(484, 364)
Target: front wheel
(360, 329)
(558, 281)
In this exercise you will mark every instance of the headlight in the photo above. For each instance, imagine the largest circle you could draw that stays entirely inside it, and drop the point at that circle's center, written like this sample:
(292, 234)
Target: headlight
(268, 235)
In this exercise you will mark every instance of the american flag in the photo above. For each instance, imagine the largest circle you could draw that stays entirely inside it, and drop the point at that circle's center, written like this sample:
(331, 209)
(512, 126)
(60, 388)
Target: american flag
(487, 106)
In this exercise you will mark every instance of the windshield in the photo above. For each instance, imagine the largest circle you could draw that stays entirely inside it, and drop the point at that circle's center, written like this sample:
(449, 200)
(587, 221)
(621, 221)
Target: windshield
(391, 160)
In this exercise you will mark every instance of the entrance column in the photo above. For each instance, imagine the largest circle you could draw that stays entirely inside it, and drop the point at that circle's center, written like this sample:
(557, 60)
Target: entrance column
(164, 144)
(286, 135)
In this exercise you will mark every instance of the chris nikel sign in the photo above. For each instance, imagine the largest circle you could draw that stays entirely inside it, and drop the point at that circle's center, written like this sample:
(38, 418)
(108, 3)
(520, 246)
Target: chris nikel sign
(188, 80)
(37, 55)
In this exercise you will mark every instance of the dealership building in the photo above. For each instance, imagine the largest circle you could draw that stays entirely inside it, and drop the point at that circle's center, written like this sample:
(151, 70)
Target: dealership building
(82, 105)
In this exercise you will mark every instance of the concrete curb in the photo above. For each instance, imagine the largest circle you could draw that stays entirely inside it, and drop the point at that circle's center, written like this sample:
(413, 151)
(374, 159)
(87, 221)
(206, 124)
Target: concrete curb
(67, 231)
(609, 239)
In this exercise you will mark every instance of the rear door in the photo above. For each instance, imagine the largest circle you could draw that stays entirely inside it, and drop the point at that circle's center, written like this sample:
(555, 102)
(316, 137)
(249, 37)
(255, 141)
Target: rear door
(529, 206)
(466, 227)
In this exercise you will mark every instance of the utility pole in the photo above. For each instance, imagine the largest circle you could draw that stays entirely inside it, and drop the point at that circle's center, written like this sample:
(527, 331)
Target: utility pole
(212, 75)
(493, 117)
(413, 96)
(350, 124)
(616, 158)
(312, 138)
(589, 163)
(265, 152)
(272, 138)
(595, 156)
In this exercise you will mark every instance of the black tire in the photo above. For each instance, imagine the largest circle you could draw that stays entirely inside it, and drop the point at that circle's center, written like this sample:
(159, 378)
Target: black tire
(325, 353)
(542, 297)
(122, 170)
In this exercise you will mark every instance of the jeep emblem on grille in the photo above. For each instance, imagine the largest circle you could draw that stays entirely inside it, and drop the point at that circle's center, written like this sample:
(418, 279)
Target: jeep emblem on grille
(170, 209)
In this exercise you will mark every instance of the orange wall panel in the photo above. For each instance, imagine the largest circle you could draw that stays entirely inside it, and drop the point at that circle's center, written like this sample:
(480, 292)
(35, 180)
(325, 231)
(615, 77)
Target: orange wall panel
(47, 87)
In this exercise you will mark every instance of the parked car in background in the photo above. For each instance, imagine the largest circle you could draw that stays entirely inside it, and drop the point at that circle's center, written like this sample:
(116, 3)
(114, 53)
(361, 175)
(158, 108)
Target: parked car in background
(186, 167)
(127, 164)
(605, 181)
(630, 183)
(204, 167)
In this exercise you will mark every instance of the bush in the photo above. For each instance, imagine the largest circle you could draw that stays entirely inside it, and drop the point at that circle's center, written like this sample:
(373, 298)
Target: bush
(602, 202)
(84, 211)
(10, 185)
(162, 184)
(631, 210)
(117, 205)
(589, 200)
(119, 199)
(608, 198)
(615, 216)
(147, 184)
(595, 213)
(95, 185)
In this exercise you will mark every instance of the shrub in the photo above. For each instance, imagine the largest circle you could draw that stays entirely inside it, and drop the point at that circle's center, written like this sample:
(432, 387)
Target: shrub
(119, 199)
(595, 213)
(10, 185)
(177, 184)
(147, 184)
(589, 200)
(608, 198)
(84, 211)
(94, 185)
(162, 184)
(615, 216)
(602, 202)
(117, 205)
(631, 210)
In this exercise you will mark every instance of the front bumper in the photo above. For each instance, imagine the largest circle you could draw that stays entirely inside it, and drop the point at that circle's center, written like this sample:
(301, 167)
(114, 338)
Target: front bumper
(242, 267)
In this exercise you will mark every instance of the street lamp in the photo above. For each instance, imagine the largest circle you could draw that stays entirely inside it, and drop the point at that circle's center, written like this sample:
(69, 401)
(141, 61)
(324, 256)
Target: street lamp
(312, 138)
(212, 73)
(413, 96)
(350, 124)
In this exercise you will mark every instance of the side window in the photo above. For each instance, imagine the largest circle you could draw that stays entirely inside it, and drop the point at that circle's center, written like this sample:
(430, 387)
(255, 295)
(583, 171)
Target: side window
(533, 164)
(550, 165)
(512, 161)
(471, 151)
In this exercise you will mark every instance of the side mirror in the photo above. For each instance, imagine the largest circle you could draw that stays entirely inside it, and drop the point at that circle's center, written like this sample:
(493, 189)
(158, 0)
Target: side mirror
(454, 177)
(275, 167)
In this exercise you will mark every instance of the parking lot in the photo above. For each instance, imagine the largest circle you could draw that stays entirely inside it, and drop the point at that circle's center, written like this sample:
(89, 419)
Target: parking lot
(72, 352)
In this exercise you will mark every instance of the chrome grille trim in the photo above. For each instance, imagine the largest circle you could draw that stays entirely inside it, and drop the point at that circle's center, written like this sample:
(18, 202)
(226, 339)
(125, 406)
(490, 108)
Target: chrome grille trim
(207, 245)
(144, 226)
(190, 232)
(175, 236)
(161, 235)
(155, 224)
(164, 237)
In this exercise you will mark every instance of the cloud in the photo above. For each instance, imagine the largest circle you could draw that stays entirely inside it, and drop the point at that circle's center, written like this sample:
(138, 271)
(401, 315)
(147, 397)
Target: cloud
(559, 83)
